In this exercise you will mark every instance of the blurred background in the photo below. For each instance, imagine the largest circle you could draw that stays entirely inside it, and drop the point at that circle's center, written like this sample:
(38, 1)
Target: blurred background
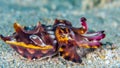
(53, 8)
(100, 14)
(32, 11)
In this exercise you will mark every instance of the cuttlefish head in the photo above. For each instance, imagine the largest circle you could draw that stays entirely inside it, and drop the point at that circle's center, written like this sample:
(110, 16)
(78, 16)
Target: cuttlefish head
(31, 41)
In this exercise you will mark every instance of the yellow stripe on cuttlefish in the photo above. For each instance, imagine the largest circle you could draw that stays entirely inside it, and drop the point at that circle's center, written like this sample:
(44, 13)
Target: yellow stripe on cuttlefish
(22, 44)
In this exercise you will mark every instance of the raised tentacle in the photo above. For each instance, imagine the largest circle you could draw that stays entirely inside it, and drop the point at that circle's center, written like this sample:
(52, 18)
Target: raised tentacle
(83, 29)
(84, 24)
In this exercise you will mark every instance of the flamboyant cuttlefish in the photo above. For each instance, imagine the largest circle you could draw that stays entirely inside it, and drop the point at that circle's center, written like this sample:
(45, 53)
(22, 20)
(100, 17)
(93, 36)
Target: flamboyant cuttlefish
(47, 40)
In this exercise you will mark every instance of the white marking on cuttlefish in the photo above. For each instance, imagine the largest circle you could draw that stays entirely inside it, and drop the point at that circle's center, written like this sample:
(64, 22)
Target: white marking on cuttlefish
(49, 27)
(61, 24)
(89, 35)
(54, 42)
(50, 32)
(52, 36)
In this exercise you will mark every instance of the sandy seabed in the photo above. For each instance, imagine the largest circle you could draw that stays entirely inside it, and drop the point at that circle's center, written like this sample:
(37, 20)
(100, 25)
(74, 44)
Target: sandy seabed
(29, 12)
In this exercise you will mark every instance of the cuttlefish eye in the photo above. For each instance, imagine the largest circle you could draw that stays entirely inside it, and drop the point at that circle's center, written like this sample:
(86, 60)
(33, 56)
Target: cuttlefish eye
(37, 40)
